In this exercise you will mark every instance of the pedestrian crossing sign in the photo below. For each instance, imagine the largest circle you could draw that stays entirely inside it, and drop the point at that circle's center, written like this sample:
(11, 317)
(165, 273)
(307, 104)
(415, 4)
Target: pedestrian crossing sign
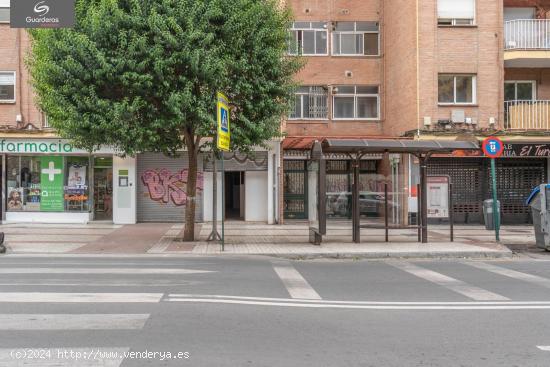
(224, 133)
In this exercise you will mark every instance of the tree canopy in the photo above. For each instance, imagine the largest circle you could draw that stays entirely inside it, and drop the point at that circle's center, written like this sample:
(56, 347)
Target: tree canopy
(135, 73)
(142, 75)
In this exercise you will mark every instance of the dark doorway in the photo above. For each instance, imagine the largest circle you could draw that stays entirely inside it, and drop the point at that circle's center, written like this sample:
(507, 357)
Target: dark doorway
(234, 195)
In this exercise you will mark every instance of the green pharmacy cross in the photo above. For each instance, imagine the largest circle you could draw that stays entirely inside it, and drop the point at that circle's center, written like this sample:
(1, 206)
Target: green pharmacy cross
(51, 171)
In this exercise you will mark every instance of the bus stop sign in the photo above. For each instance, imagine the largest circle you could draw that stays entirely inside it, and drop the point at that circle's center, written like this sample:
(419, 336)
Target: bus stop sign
(492, 147)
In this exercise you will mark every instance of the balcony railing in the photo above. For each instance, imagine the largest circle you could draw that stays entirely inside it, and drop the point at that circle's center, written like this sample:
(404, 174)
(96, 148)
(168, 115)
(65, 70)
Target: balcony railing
(528, 34)
(527, 115)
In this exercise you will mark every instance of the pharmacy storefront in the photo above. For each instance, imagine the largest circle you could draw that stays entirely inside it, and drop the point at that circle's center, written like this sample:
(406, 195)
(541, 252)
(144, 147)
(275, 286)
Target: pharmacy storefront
(49, 181)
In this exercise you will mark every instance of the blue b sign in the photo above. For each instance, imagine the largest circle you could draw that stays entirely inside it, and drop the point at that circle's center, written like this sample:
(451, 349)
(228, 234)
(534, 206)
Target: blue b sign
(492, 147)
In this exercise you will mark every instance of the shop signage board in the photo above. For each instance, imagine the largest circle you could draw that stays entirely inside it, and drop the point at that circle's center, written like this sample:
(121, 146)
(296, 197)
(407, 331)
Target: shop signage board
(224, 133)
(51, 180)
(44, 146)
(438, 196)
(527, 150)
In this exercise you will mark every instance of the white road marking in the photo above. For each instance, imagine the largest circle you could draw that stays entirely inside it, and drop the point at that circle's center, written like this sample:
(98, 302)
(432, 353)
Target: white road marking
(455, 285)
(294, 282)
(97, 283)
(303, 304)
(545, 348)
(177, 296)
(54, 297)
(544, 282)
(61, 270)
(62, 357)
(72, 321)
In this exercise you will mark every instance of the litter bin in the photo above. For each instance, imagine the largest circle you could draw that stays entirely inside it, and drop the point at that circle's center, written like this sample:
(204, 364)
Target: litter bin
(539, 201)
(488, 213)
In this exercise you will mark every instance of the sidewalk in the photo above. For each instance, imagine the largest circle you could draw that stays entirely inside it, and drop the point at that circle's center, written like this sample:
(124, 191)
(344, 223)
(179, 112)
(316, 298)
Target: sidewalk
(289, 240)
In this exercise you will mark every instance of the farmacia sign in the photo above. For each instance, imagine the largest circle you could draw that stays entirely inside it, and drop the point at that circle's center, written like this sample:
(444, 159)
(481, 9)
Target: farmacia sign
(58, 146)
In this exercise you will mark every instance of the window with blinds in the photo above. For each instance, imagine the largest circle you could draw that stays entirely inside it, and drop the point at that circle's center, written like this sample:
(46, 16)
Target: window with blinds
(7, 86)
(456, 12)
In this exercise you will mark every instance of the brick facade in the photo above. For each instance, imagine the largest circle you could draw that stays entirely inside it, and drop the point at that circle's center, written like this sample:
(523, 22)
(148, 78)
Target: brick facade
(14, 46)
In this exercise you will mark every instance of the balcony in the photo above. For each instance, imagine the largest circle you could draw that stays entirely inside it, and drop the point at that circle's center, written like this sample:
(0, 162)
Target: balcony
(527, 115)
(527, 43)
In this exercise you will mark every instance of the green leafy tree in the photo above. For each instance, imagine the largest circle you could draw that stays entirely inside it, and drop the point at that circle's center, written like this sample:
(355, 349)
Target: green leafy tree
(142, 75)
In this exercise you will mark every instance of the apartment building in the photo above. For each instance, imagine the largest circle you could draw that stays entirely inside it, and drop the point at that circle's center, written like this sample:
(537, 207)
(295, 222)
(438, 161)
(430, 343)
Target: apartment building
(438, 70)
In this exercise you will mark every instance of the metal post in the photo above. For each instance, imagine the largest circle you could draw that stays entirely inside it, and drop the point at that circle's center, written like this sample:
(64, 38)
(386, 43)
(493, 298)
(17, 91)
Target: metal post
(355, 203)
(322, 199)
(496, 214)
(223, 204)
(214, 235)
(451, 212)
(418, 212)
(386, 212)
(424, 199)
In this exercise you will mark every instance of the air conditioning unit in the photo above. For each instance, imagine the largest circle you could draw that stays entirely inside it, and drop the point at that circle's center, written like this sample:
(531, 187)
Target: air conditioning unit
(427, 120)
(458, 116)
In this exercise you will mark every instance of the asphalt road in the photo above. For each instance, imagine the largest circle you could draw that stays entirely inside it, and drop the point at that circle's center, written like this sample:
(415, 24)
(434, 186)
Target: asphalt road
(259, 311)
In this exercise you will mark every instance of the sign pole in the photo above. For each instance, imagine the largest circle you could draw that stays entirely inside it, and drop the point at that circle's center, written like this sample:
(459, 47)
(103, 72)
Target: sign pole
(214, 235)
(223, 205)
(223, 140)
(496, 214)
(493, 148)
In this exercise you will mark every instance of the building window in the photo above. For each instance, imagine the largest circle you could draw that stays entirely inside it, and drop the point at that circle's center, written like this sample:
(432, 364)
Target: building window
(310, 102)
(457, 89)
(7, 86)
(356, 102)
(520, 90)
(47, 184)
(308, 38)
(4, 14)
(453, 12)
(356, 38)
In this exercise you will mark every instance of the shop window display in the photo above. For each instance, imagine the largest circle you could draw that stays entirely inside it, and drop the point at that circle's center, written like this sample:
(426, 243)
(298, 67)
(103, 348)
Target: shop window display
(76, 184)
(47, 183)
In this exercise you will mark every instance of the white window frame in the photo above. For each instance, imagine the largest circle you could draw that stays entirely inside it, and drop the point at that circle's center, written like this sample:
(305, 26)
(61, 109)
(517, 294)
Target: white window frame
(14, 86)
(5, 4)
(301, 49)
(354, 32)
(515, 82)
(355, 95)
(302, 95)
(474, 90)
(455, 22)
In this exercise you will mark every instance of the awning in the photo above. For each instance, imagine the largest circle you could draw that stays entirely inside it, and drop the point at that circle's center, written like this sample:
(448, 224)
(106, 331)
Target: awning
(395, 146)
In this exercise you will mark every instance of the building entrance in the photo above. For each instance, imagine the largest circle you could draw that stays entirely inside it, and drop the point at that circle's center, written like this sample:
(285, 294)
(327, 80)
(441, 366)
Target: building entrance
(234, 195)
(103, 188)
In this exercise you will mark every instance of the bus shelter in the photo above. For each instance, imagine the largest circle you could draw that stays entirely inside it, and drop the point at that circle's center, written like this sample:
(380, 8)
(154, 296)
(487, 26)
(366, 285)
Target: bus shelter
(355, 149)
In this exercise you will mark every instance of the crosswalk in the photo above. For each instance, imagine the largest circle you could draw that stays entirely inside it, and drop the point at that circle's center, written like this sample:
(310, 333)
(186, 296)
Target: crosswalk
(44, 308)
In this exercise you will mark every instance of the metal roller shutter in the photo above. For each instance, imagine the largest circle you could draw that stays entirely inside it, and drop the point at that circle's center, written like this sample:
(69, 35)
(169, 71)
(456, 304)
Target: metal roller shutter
(161, 188)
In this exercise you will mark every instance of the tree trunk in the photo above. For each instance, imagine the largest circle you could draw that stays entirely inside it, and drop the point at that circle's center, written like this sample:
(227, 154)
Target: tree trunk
(191, 190)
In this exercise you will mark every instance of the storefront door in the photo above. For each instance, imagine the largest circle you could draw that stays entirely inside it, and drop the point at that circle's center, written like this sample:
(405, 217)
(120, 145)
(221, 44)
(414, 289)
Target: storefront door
(103, 188)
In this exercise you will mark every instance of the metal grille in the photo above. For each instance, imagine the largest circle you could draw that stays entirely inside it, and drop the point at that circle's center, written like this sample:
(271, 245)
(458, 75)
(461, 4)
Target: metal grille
(295, 189)
(472, 184)
(515, 180)
(466, 177)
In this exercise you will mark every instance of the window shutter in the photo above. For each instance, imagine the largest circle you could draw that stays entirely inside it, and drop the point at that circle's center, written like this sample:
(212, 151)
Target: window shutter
(7, 79)
(456, 9)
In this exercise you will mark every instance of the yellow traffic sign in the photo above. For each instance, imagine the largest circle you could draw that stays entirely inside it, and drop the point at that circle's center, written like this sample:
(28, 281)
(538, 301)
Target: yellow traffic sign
(224, 133)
